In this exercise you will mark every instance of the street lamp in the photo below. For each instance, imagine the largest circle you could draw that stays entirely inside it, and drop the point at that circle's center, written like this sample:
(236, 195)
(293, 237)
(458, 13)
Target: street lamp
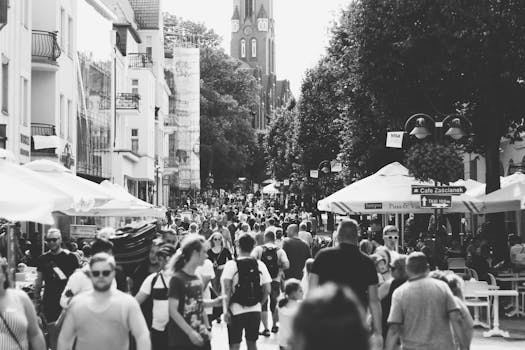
(422, 125)
(157, 168)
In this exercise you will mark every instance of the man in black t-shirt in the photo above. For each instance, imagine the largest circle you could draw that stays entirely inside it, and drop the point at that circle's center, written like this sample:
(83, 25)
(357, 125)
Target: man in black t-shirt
(346, 265)
(54, 268)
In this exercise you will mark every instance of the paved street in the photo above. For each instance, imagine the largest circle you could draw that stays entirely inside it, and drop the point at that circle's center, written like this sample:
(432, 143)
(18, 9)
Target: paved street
(515, 342)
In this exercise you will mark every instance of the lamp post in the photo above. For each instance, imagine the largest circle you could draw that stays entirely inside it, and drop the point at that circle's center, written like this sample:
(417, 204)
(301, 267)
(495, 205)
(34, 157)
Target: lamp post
(157, 168)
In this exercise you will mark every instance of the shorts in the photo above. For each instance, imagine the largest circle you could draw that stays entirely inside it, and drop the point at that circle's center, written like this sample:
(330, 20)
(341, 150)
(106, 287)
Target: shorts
(275, 291)
(159, 339)
(206, 346)
(249, 322)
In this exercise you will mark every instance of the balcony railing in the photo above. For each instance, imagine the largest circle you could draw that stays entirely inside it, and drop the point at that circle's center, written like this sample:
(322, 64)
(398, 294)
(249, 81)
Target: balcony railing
(44, 47)
(39, 129)
(140, 60)
(128, 101)
(3, 12)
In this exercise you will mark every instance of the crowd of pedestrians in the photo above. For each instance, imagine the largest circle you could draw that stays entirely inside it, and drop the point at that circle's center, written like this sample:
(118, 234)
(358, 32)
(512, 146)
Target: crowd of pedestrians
(257, 271)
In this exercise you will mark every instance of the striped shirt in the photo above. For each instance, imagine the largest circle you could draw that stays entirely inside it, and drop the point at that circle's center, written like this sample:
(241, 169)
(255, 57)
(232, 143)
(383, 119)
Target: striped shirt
(15, 316)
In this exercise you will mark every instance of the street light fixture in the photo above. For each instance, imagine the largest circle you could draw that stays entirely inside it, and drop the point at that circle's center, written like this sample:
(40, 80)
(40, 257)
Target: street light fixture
(422, 125)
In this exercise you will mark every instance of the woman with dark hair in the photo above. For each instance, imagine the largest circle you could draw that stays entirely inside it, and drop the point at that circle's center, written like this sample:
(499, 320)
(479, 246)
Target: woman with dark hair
(218, 254)
(19, 328)
(188, 326)
(330, 318)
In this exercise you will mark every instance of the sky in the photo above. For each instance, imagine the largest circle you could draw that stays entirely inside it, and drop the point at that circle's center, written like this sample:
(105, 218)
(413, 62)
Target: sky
(301, 29)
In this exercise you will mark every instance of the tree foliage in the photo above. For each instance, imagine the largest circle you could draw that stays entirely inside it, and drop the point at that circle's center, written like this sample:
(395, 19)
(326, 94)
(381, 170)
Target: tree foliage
(428, 161)
(281, 144)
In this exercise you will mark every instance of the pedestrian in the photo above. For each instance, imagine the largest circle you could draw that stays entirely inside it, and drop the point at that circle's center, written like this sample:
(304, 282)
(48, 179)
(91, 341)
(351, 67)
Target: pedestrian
(276, 262)
(304, 234)
(187, 327)
(246, 286)
(399, 276)
(155, 290)
(206, 273)
(288, 306)
(331, 318)
(104, 317)
(19, 328)
(219, 255)
(455, 283)
(423, 310)
(54, 268)
(297, 252)
(345, 264)
(391, 239)
(147, 267)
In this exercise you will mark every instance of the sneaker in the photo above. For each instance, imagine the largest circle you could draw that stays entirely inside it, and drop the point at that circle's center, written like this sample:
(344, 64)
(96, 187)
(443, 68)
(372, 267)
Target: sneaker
(275, 329)
(265, 333)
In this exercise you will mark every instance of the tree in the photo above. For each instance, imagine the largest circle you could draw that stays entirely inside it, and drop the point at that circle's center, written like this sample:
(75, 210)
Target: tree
(281, 144)
(409, 56)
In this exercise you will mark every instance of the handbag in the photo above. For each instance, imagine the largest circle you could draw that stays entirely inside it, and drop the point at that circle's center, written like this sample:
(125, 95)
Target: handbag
(11, 332)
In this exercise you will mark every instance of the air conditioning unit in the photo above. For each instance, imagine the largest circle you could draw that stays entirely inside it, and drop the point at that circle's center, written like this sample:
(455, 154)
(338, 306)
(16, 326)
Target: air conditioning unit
(4, 5)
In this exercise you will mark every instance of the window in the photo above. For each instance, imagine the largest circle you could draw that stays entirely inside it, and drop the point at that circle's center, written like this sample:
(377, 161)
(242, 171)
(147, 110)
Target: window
(254, 47)
(248, 8)
(24, 100)
(62, 29)
(135, 86)
(135, 140)
(243, 48)
(70, 36)
(3, 136)
(5, 87)
(70, 119)
(62, 126)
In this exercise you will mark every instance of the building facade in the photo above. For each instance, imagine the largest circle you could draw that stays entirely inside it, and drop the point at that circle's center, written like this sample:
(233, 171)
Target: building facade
(15, 77)
(253, 43)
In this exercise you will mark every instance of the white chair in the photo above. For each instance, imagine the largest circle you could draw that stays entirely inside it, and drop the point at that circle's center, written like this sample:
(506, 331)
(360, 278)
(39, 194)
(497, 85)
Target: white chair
(474, 297)
(492, 280)
(457, 264)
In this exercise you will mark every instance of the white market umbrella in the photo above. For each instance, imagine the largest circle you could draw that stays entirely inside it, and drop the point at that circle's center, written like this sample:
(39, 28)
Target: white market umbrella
(86, 194)
(389, 191)
(511, 197)
(27, 196)
(270, 189)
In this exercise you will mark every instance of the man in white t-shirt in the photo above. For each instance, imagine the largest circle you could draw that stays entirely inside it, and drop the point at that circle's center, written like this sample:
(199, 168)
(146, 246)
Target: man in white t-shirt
(304, 235)
(242, 303)
(206, 273)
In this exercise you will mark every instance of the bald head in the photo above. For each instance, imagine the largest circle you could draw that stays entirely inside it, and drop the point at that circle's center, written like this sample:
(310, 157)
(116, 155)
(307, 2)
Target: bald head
(348, 231)
(292, 230)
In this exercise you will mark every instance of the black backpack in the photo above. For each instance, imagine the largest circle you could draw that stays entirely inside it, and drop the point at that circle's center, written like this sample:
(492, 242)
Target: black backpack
(248, 291)
(271, 260)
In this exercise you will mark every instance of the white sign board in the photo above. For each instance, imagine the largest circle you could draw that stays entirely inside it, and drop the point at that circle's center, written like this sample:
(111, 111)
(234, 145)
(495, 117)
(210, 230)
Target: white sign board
(82, 231)
(394, 139)
(314, 174)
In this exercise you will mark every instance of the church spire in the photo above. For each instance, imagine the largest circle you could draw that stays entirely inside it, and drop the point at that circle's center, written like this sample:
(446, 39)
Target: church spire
(262, 13)
(236, 15)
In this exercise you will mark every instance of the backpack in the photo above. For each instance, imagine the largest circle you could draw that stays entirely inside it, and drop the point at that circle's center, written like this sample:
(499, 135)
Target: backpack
(248, 291)
(271, 260)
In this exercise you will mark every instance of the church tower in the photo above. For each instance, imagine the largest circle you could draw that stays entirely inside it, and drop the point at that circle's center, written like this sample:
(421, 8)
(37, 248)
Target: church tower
(253, 42)
(253, 34)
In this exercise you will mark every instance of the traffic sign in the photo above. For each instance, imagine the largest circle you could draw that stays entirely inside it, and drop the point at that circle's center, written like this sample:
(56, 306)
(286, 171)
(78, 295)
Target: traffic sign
(447, 190)
(433, 201)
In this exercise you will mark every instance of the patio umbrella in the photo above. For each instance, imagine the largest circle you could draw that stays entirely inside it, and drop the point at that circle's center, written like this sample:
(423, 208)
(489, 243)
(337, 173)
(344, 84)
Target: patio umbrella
(27, 196)
(389, 191)
(270, 189)
(86, 194)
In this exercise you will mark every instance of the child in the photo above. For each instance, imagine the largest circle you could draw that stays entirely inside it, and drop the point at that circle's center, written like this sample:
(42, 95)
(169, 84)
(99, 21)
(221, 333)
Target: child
(293, 293)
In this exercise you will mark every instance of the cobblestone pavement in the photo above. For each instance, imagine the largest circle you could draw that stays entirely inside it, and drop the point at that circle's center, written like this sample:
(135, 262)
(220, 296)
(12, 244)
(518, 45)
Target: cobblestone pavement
(515, 342)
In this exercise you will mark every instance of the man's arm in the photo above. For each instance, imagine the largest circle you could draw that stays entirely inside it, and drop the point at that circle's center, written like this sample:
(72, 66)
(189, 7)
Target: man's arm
(313, 282)
(67, 333)
(138, 327)
(285, 263)
(375, 309)
(38, 288)
(456, 320)
(227, 291)
(394, 334)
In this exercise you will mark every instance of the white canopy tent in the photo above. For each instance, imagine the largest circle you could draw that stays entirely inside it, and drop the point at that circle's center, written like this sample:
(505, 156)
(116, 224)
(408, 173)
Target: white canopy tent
(390, 191)
(270, 189)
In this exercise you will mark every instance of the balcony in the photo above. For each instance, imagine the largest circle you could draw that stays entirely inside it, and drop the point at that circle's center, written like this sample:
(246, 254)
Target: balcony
(44, 48)
(140, 60)
(128, 101)
(4, 4)
(39, 129)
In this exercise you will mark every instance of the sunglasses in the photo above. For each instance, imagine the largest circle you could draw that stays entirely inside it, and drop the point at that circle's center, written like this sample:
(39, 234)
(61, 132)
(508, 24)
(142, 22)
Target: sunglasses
(217, 239)
(392, 237)
(51, 239)
(104, 273)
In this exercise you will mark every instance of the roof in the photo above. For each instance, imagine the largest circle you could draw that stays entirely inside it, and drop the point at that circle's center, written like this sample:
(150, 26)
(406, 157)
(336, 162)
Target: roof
(262, 13)
(236, 13)
(147, 13)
